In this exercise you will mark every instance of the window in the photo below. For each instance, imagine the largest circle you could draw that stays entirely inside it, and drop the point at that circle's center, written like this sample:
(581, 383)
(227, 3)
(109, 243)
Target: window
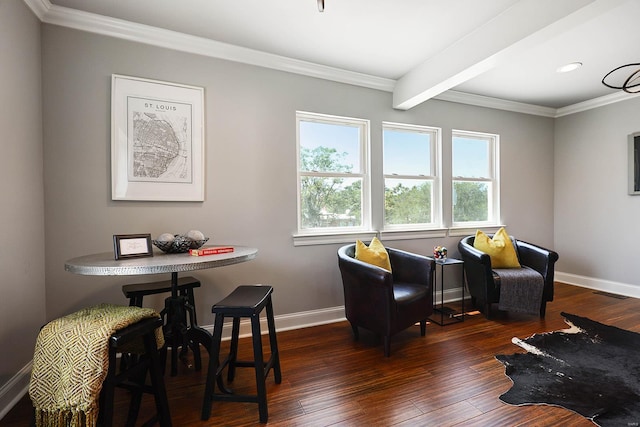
(475, 179)
(411, 176)
(333, 180)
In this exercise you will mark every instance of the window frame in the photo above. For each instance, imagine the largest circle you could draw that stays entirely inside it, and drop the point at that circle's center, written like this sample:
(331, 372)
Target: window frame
(435, 168)
(493, 205)
(365, 229)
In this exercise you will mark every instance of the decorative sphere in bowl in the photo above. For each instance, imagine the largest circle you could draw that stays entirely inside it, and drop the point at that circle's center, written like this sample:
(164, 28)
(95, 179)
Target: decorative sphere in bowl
(180, 244)
(195, 235)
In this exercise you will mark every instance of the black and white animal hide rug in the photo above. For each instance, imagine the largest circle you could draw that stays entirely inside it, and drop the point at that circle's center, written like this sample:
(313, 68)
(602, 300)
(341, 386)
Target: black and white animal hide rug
(591, 368)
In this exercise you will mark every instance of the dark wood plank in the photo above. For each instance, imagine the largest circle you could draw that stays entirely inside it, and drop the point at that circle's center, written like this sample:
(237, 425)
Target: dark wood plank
(450, 377)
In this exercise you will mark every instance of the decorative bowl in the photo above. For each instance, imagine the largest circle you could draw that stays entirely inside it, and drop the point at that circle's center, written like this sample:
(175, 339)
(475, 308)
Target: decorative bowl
(179, 245)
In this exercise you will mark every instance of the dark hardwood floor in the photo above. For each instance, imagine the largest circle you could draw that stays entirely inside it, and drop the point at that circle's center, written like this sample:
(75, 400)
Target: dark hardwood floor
(448, 378)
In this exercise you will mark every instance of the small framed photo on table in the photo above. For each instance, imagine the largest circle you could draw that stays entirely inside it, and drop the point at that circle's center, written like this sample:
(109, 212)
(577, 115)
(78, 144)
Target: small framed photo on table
(132, 246)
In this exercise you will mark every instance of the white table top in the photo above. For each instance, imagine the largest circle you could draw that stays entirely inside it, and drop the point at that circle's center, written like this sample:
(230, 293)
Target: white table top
(104, 264)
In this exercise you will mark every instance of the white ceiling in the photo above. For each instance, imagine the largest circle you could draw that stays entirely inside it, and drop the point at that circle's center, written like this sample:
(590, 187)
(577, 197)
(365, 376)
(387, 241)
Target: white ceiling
(417, 49)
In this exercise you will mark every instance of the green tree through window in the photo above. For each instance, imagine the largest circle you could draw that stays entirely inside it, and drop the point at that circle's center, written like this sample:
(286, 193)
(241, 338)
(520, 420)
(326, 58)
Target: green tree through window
(328, 201)
(470, 201)
(408, 205)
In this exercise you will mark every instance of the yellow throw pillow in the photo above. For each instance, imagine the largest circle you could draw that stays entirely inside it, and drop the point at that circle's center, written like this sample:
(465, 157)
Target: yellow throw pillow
(500, 249)
(374, 254)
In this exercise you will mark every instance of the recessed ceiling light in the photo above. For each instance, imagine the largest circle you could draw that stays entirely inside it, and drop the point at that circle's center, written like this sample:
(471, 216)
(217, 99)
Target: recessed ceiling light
(569, 67)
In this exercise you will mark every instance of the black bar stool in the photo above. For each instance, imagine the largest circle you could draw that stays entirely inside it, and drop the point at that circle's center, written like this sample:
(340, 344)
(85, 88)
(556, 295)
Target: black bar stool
(134, 377)
(137, 291)
(244, 301)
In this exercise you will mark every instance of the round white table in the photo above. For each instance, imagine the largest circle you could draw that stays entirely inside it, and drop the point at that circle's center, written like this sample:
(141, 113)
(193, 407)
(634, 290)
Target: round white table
(105, 264)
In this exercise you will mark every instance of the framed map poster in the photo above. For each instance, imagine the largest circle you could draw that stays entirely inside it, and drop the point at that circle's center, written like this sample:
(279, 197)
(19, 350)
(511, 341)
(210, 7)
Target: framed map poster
(157, 140)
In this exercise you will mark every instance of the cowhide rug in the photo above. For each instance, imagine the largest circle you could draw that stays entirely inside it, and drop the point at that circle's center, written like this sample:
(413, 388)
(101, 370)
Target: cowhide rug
(591, 368)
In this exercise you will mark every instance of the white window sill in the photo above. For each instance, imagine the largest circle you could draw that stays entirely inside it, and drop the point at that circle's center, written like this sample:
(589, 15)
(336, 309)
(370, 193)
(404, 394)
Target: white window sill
(466, 231)
(365, 236)
(412, 234)
(330, 238)
(388, 235)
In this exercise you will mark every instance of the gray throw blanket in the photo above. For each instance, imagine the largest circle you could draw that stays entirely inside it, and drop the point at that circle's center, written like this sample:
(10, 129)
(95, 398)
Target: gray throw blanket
(520, 289)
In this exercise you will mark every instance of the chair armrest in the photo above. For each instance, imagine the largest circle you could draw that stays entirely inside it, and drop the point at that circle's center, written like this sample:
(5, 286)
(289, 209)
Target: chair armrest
(478, 272)
(540, 259)
(409, 267)
(472, 255)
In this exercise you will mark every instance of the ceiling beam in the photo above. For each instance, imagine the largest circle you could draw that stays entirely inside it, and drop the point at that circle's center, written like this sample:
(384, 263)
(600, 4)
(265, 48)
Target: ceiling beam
(510, 33)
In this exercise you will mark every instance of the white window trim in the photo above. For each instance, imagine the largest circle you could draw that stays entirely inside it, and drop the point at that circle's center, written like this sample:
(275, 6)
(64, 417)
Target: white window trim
(436, 176)
(331, 238)
(494, 169)
(329, 234)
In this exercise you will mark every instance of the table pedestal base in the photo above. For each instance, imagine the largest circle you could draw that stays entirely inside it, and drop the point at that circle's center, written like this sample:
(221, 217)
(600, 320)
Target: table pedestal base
(182, 334)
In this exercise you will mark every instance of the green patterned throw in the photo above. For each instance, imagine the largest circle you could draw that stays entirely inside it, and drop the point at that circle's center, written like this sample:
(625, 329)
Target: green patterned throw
(71, 360)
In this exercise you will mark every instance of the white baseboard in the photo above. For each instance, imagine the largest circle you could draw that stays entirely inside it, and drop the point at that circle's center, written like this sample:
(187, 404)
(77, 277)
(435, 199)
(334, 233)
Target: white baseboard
(324, 316)
(14, 390)
(288, 322)
(599, 284)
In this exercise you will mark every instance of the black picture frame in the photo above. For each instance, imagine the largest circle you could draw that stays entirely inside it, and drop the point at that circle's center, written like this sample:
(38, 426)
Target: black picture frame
(132, 246)
(634, 163)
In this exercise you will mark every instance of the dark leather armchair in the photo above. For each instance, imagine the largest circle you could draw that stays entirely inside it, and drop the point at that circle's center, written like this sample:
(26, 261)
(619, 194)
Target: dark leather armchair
(484, 284)
(383, 302)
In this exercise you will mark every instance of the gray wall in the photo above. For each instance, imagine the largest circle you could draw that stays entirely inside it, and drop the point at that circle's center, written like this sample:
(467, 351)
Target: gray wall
(22, 251)
(596, 221)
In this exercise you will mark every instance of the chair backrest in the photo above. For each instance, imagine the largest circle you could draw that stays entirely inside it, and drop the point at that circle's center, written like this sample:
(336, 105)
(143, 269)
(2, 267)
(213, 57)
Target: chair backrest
(469, 240)
(348, 250)
(352, 269)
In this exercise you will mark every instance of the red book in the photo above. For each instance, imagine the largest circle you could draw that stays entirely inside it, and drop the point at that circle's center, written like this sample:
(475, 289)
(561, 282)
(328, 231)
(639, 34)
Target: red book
(211, 250)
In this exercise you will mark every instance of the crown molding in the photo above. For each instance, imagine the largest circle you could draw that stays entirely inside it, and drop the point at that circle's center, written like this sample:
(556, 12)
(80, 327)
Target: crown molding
(595, 103)
(94, 23)
(500, 104)
(39, 7)
(118, 28)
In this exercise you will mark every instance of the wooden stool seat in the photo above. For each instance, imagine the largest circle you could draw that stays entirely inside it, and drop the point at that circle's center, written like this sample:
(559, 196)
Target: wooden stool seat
(244, 301)
(137, 291)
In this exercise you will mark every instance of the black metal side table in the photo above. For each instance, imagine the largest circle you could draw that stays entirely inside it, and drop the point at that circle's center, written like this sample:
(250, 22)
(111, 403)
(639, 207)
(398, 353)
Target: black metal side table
(446, 315)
